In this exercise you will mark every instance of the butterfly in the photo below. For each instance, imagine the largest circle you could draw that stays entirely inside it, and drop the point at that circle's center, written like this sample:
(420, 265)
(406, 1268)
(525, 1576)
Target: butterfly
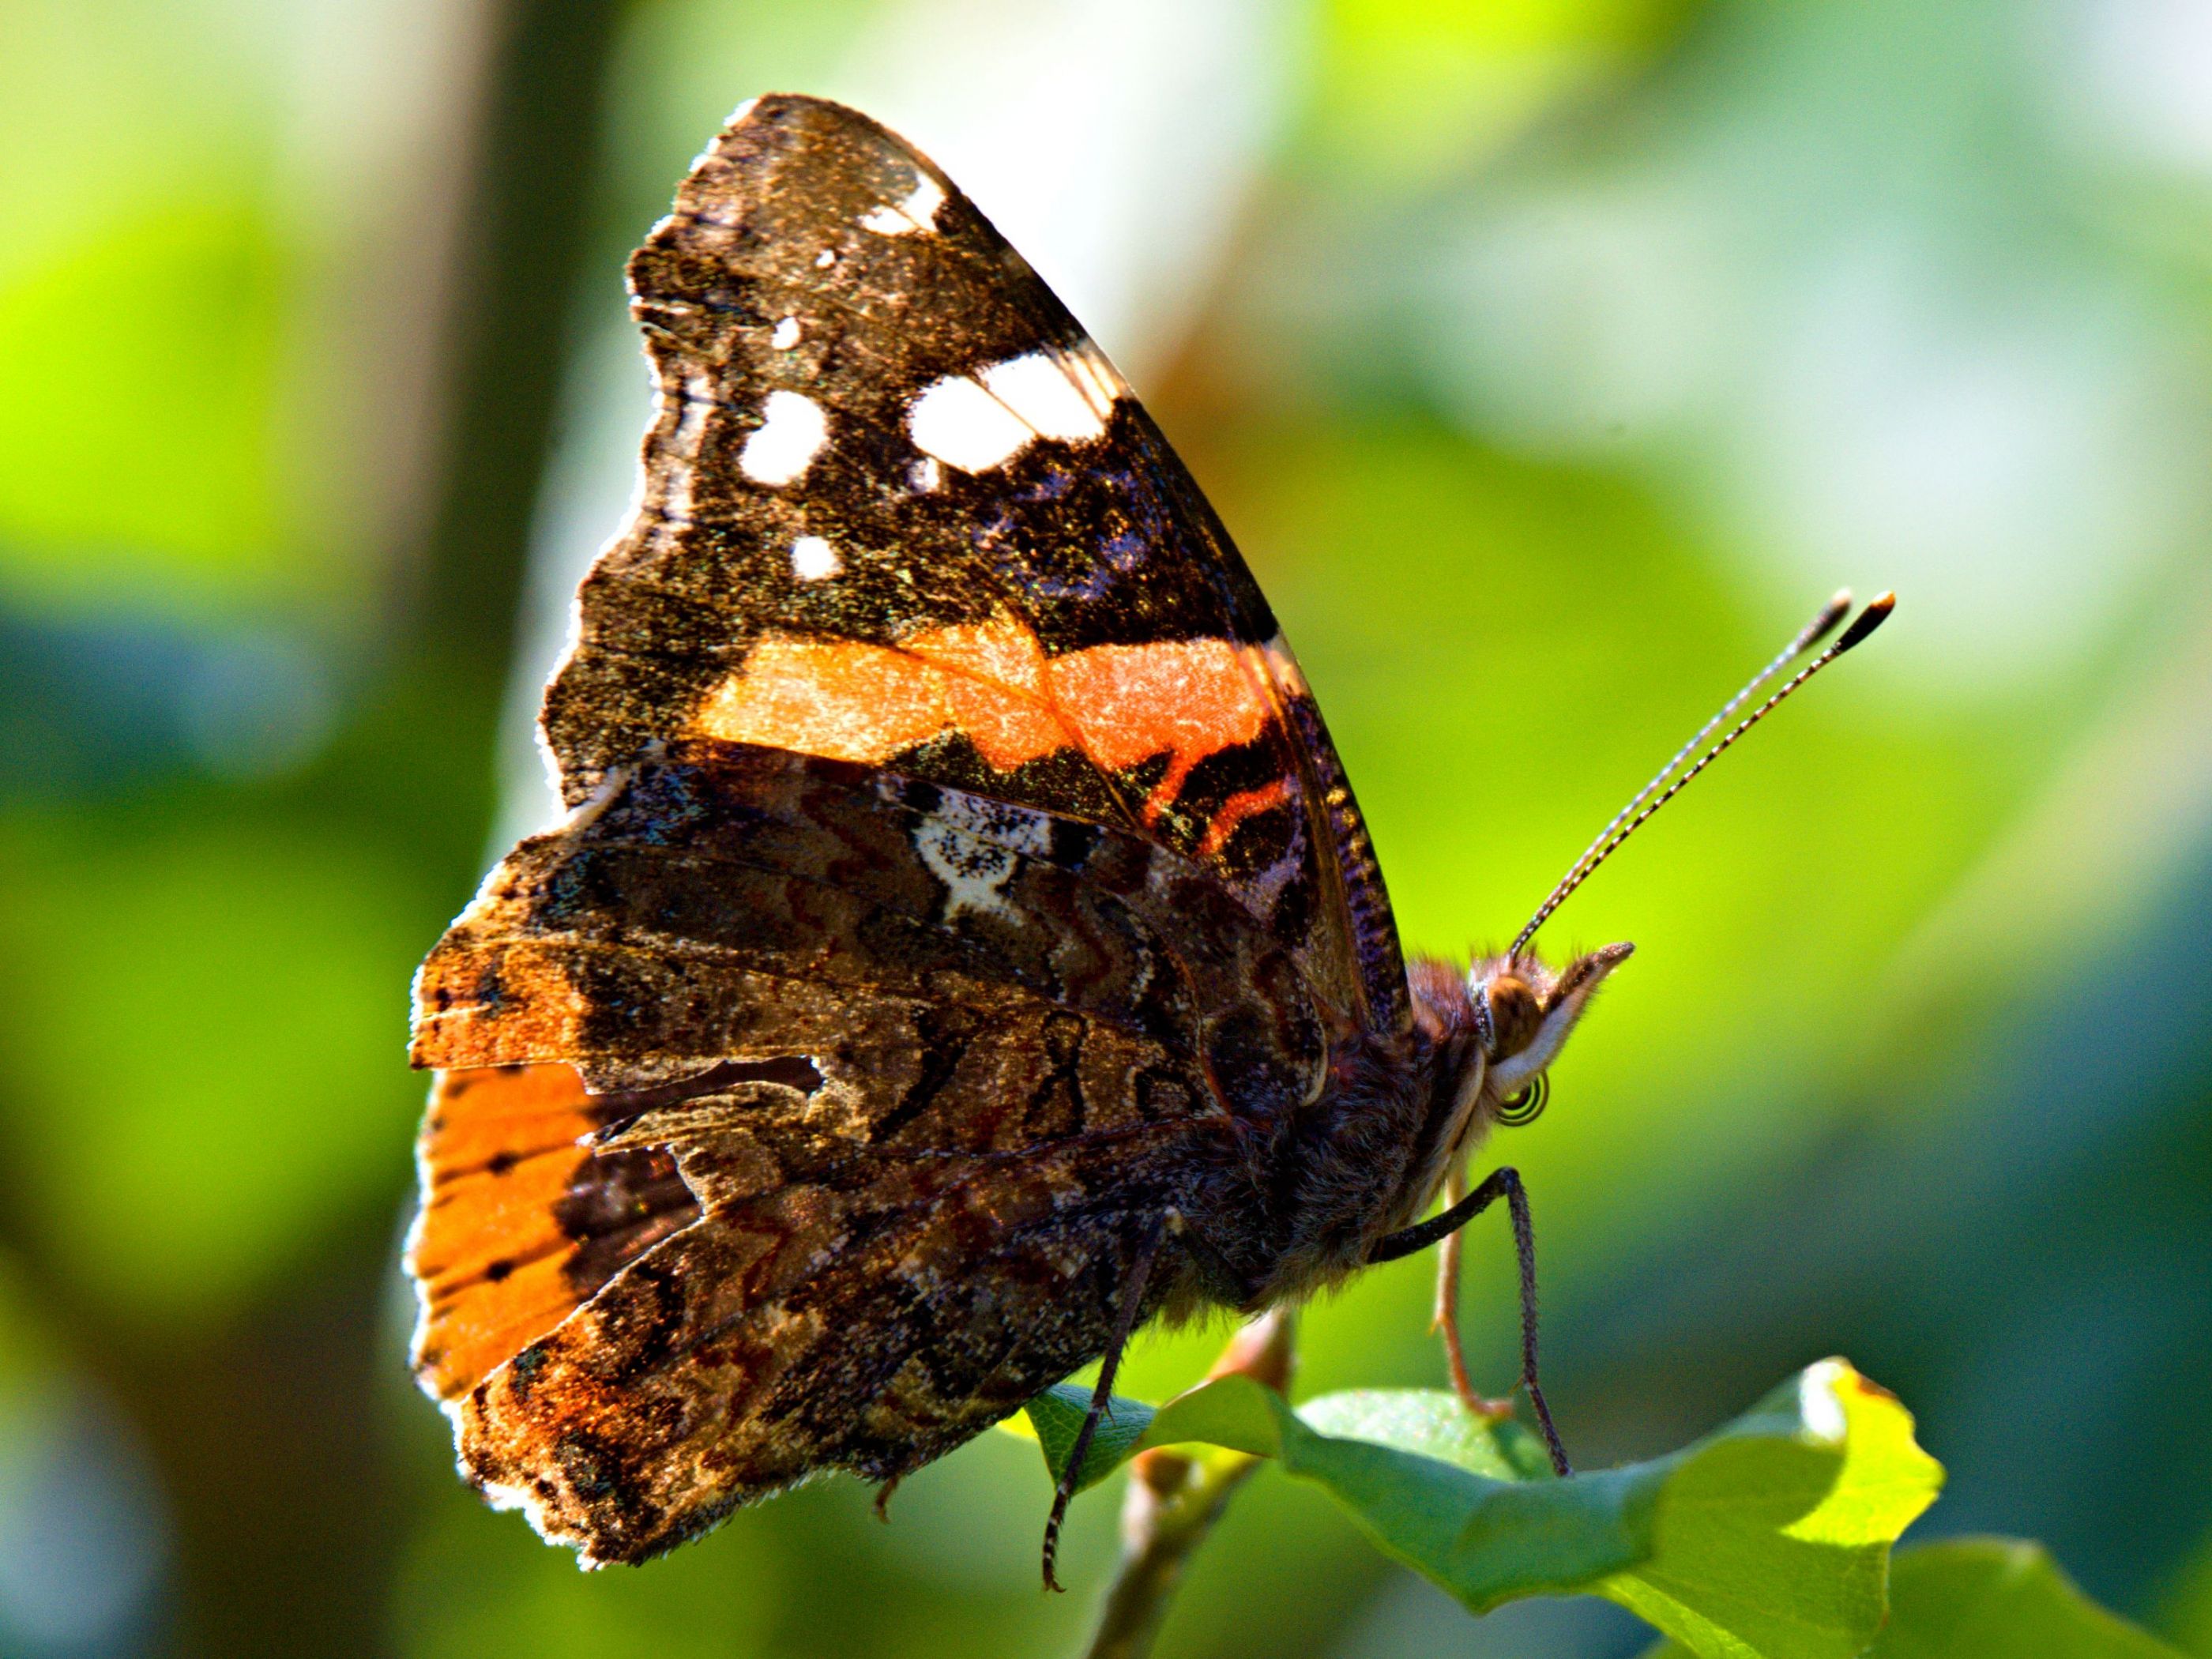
(961, 944)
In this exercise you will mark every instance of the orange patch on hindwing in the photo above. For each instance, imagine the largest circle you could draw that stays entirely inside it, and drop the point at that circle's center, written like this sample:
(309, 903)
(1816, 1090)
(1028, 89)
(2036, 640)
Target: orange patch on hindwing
(991, 682)
(501, 1153)
(489, 1002)
(499, 1149)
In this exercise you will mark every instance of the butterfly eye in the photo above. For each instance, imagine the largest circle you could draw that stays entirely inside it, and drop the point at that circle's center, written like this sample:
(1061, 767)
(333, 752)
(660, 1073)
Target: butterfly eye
(1527, 1104)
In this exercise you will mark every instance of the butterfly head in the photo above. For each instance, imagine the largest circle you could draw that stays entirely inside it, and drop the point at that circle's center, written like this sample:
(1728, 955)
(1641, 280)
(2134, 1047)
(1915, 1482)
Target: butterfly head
(1522, 1013)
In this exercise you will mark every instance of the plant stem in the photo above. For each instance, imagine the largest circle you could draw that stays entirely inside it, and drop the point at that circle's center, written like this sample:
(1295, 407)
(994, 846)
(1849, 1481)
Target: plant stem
(1175, 1499)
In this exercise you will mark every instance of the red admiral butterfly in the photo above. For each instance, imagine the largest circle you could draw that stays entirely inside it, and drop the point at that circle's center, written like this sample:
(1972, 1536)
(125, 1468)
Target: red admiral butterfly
(961, 944)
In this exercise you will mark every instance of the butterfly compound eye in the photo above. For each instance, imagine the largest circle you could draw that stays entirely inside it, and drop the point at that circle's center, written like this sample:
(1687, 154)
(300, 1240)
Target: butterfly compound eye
(1527, 1103)
(1516, 1015)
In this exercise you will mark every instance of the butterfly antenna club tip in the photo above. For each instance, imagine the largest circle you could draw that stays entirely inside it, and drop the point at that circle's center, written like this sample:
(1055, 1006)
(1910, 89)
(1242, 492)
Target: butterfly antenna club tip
(1876, 614)
(1824, 624)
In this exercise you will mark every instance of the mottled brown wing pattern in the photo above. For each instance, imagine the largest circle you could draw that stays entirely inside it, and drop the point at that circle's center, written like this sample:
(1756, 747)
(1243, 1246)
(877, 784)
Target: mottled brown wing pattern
(1013, 1043)
(869, 1315)
(899, 510)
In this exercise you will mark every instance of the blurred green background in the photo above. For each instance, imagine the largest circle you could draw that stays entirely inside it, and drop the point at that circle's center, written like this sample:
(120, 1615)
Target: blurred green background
(1551, 359)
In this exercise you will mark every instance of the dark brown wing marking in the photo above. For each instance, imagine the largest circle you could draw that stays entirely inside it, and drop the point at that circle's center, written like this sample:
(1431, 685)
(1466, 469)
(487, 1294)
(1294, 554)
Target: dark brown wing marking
(898, 508)
(732, 902)
(1033, 1037)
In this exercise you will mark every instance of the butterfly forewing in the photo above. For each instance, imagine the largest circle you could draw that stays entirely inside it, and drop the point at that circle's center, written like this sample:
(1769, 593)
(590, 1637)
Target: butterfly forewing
(899, 509)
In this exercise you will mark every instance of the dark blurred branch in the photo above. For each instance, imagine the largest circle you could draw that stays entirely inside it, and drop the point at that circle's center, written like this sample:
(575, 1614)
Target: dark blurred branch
(529, 231)
(1174, 1501)
(287, 1522)
(420, 759)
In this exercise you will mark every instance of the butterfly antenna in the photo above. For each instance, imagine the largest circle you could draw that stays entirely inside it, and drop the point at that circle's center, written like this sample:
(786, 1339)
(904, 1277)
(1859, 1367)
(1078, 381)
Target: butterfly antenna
(1649, 799)
(1812, 633)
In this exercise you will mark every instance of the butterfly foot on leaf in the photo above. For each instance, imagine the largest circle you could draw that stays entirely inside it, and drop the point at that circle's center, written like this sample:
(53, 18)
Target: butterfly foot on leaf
(884, 1498)
(1487, 1410)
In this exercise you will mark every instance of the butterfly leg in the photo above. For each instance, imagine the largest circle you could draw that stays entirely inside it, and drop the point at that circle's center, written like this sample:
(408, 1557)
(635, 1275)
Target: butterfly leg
(1504, 1183)
(1445, 1320)
(883, 1498)
(1124, 1325)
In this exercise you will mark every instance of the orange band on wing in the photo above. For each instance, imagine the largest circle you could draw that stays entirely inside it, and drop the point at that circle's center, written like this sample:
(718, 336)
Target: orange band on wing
(521, 1221)
(499, 1149)
(1245, 804)
(1187, 699)
(991, 682)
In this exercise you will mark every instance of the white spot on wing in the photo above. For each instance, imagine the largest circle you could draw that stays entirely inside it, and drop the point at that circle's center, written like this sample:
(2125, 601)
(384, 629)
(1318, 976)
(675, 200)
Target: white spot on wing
(965, 426)
(1097, 379)
(926, 476)
(826, 258)
(785, 335)
(813, 559)
(921, 206)
(790, 435)
(1049, 398)
(977, 422)
(918, 212)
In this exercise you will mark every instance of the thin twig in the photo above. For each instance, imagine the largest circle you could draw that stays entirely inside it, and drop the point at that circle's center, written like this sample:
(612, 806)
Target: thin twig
(1175, 1499)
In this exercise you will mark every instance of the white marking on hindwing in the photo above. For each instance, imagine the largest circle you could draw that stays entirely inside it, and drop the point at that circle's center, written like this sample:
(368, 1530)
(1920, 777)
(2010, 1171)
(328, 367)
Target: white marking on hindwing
(785, 335)
(974, 845)
(918, 212)
(813, 559)
(826, 258)
(682, 449)
(926, 476)
(974, 872)
(791, 433)
(691, 420)
(1023, 829)
(980, 422)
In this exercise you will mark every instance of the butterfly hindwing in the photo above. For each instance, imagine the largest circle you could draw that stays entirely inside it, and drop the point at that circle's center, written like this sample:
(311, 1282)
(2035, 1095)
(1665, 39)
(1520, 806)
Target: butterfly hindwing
(899, 510)
(732, 1363)
(925, 1067)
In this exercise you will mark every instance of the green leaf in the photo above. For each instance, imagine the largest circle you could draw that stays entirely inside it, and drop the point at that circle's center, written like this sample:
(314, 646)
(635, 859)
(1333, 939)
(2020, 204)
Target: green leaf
(1768, 1539)
(1773, 1536)
(1989, 1596)
(1057, 1416)
(1970, 1598)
